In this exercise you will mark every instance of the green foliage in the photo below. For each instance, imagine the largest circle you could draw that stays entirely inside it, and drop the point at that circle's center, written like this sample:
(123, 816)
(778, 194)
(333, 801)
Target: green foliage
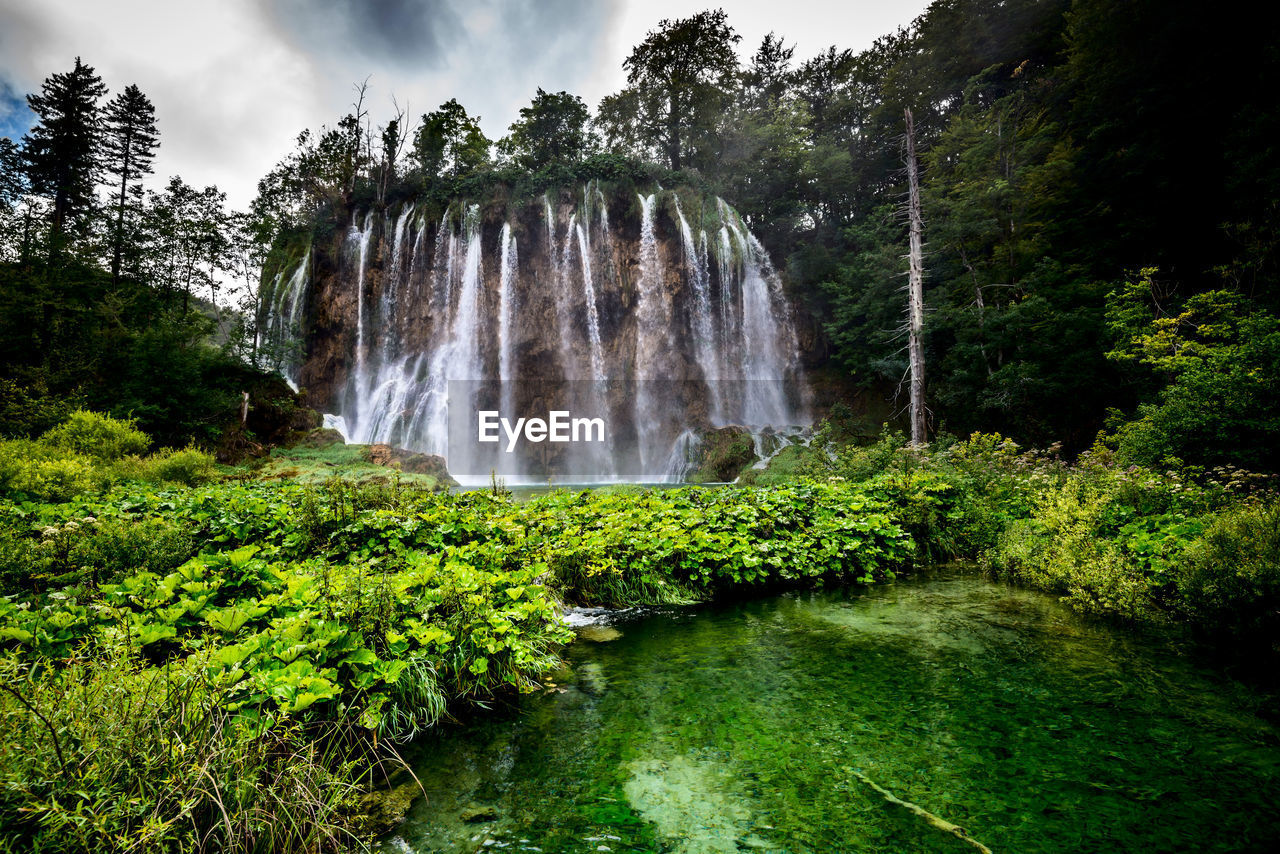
(130, 139)
(29, 410)
(34, 469)
(188, 467)
(1229, 580)
(279, 610)
(1221, 361)
(61, 149)
(1148, 546)
(97, 436)
(449, 143)
(680, 77)
(88, 452)
(551, 130)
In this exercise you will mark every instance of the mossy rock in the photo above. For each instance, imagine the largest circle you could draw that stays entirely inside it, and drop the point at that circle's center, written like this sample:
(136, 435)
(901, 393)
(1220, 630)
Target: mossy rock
(411, 462)
(781, 469)
(322, 437)
(386, 810)
(723, 454)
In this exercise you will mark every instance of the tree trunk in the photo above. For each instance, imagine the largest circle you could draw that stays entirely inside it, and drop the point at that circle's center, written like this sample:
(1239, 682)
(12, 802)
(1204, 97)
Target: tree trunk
(673, 134)
(118, 249)
(915, 292)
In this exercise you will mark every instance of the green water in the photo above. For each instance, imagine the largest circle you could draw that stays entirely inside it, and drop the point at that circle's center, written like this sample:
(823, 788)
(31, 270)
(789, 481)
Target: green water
(738, 728)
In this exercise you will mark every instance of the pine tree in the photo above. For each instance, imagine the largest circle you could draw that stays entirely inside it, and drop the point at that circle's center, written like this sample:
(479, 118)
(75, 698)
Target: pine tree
(62, 150)
(129, 143)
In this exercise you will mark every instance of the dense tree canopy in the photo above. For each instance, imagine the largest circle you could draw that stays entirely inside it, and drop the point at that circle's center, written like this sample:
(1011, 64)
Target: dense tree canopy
(112, 296)
(1057, 161)
(449, 142)
(679, 79)
(551, 130)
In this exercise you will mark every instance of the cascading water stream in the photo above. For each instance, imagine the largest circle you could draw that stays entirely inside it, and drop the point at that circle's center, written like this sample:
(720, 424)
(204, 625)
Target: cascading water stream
(653, 315)
(506, 311)
(362, 257)
(589, 297)
(392, 285)
(702, 315)
(278, 339)
(763, 402)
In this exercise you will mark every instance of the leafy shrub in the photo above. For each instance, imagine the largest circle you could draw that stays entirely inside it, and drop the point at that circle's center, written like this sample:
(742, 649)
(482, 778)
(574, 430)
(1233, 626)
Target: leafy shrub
(188, 467)
(1229, 580)
(108, 550)
(98, 436)
(35, 471)
(28, 409)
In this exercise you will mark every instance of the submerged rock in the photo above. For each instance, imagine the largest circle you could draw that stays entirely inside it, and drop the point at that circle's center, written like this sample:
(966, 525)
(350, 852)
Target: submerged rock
(386, 809)
(692, 803)
(591, 678)
(478, 813)
(599, 634)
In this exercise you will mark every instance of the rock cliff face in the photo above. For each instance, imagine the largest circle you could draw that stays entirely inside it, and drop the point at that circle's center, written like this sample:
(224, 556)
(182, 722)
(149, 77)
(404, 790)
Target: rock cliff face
(658, 313)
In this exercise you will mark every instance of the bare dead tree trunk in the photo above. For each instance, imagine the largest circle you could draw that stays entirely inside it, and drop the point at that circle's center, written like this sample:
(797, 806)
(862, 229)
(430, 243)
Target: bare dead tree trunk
(915, 291)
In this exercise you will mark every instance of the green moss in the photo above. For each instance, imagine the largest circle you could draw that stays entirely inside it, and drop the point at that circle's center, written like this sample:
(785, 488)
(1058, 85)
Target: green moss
(314, 465)
(723, 455)
(784, 467)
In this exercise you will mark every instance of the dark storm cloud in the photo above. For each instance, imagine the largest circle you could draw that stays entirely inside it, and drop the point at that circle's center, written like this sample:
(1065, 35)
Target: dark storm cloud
(395, 31)
(489, 54)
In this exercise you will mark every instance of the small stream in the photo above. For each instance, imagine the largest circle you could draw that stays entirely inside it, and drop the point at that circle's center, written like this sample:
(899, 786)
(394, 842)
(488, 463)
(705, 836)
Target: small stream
(762, 725)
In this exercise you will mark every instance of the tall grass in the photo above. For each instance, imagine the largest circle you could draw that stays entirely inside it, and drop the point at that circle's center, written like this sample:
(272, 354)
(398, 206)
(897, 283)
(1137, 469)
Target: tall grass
(103, 755)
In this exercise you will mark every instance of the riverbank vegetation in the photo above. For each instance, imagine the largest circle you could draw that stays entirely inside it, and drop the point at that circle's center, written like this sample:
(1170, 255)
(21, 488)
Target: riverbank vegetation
(232, 663)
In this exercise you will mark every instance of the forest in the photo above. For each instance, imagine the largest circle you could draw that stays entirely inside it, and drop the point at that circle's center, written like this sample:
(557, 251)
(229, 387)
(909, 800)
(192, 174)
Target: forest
(222, 628)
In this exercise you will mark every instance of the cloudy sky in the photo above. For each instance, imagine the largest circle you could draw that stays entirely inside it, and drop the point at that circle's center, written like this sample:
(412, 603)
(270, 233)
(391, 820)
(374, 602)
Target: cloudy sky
(234, 81)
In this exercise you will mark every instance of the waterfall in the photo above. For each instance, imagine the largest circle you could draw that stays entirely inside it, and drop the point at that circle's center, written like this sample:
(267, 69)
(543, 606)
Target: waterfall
(411, 281)
(589, 297)
(278, 339)
(667, 324)
(362, 238)
(506, 309)
(653, 314)
(392, 285)
(764, 323)
(702, 320)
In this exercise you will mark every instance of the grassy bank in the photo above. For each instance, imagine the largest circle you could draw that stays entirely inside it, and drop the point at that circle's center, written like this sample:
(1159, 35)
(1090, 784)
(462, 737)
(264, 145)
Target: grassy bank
(1178, 545)
(230, 664)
